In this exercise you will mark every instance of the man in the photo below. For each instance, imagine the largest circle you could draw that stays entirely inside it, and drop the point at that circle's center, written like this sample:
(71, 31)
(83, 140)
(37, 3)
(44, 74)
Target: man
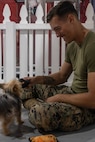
(65, 108)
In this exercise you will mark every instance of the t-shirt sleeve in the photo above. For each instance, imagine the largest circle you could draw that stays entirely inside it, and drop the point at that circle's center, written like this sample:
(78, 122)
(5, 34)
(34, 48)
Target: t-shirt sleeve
(90, 57)
(67, 54)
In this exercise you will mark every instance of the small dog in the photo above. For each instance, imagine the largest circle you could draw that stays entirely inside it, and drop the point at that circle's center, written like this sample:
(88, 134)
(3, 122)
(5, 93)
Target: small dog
(10, 104)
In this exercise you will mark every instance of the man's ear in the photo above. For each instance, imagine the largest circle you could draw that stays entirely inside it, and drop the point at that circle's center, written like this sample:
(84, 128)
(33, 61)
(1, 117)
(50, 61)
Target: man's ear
(71, 18)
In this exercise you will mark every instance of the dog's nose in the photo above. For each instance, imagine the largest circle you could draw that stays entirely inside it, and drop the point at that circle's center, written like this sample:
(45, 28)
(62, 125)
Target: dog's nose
(25, 83)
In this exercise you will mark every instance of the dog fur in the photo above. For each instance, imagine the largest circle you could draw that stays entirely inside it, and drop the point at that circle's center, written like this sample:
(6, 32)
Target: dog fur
(10, 104)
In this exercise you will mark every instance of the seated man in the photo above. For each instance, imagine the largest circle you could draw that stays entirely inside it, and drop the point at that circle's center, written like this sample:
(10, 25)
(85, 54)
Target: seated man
(61, 107)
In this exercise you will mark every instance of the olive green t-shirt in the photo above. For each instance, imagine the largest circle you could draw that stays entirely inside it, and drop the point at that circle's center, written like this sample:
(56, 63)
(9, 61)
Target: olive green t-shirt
(82, 59)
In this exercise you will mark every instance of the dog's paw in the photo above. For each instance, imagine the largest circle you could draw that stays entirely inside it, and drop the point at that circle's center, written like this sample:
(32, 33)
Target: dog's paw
(6, 132)
(20, 122)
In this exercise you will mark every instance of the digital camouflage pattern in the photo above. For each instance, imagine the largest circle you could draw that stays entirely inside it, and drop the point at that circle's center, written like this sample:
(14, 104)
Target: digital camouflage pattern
(52, 116)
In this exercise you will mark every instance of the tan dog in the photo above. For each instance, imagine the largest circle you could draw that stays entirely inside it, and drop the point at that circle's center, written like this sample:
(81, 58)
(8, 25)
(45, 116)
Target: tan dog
(10, 104)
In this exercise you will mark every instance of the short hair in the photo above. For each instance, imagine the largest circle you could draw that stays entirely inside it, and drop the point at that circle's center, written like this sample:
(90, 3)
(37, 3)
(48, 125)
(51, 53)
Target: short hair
(62, 9)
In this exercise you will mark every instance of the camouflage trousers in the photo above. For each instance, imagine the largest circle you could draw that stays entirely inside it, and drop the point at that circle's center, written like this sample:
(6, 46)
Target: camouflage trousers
(52, 116)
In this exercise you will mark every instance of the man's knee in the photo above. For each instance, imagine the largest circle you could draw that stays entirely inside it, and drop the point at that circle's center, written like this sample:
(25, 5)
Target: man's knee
(65, 117)
(30, 103)
(55, 116)
(41, 115)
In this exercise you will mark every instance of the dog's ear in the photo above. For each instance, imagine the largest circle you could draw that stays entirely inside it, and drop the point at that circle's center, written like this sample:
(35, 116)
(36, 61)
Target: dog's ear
(13, 86)
(16, 89)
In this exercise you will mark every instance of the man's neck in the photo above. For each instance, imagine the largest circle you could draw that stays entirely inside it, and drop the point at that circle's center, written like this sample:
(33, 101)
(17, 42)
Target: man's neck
(82, 32)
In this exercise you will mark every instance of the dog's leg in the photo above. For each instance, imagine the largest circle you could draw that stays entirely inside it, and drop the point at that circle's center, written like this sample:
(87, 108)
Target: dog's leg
(18, 118)
(5, 124)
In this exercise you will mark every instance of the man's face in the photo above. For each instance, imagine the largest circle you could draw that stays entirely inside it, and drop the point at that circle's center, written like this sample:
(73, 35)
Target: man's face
(63, 28)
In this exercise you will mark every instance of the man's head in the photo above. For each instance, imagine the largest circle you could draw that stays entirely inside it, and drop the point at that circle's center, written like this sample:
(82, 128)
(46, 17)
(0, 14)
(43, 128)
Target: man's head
(62, 19)
(62, 9)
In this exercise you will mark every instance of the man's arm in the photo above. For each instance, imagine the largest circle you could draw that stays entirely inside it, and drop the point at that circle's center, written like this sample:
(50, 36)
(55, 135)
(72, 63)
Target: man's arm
(53, 79)
(86, 100)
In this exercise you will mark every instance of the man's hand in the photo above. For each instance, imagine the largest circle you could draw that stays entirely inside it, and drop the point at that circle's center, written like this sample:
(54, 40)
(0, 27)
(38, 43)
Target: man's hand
(25, 83)
(55, 98)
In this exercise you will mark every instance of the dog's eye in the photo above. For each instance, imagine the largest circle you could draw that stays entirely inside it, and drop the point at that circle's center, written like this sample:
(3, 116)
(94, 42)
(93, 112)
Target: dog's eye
(21, 80)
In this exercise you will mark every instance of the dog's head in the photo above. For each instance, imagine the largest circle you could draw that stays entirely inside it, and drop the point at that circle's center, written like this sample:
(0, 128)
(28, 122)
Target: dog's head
(13, 86)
